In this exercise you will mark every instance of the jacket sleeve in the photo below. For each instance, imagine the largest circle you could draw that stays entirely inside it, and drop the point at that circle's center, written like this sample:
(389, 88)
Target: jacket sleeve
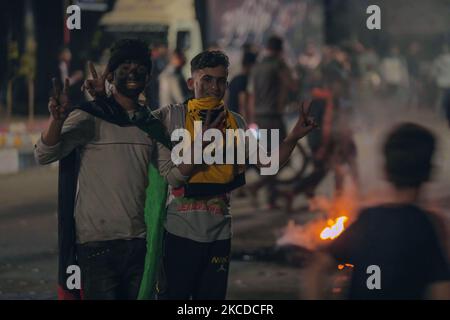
(167, 168)
(162, 154)
(78, 129)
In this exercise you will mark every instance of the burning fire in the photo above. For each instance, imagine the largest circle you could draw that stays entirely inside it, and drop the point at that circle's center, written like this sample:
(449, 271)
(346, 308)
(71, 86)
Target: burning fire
(334, 229)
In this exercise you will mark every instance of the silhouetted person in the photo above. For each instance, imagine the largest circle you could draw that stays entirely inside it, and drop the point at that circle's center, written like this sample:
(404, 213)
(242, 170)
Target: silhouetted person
(172, 84)
(159, 61)
(441, 70)
(269, 84)
(237, 90)
(398, 237)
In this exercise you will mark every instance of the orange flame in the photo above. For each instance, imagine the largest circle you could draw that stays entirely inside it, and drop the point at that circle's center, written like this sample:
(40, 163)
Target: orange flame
(346, 265)
(334, 229)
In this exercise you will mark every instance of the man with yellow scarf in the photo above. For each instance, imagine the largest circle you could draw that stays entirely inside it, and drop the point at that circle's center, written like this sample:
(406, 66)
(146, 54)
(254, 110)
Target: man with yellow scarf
(198, 232)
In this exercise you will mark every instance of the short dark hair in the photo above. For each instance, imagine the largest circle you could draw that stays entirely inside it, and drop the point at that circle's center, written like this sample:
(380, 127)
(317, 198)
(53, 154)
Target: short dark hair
(209, 59)
(129, 49)
(408, 152)
(248, 59)
(274, 43)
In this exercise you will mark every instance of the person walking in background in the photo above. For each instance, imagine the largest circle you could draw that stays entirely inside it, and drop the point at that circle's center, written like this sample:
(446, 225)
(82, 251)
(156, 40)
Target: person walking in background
(413, 59)
(159, 59)
(332, 146)
(308, 68)
(75, 77)
(172, 84)
(237, 91)
(270, 82)
(394, 72)
(441, 71)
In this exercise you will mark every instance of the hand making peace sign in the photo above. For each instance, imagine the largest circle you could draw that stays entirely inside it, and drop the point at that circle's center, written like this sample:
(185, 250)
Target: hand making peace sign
(305, 123)
(96, 85)
(59, 104)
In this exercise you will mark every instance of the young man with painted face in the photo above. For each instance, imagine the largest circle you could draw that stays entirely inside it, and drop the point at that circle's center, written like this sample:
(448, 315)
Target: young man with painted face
(109, 177)
(198, 224)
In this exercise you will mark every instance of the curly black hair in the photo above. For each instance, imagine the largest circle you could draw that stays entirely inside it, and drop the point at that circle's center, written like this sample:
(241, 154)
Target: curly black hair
(209, 59)
(129, 49)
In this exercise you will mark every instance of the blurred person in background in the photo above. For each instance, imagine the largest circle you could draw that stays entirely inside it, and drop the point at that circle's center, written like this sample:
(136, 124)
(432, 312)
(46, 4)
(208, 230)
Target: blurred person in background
(237, 98)
(441, 71)
(332, 145)
(172, 84)
(159, 57)
(214, 46)
(308, 69)
(250, 47)
(413, 59)
(399, 237)
(394, 72)
(367, 59)
(369, 84)
(75, 77)
(270, 82)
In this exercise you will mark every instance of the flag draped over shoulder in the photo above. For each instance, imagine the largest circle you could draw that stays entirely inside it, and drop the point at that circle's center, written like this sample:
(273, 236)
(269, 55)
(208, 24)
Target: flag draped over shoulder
(155, 210)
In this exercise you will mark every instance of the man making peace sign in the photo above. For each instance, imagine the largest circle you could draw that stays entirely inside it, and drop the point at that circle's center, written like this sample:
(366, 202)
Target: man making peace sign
(110, 177)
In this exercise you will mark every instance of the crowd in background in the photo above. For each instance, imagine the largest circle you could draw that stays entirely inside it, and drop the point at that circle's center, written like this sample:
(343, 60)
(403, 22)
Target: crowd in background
(401, 78)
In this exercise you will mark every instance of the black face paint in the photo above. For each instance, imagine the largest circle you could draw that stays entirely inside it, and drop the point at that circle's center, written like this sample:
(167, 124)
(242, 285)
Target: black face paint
(130, 79)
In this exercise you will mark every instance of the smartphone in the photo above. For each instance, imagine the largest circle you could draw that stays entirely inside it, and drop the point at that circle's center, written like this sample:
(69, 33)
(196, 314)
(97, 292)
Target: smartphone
(214, 113)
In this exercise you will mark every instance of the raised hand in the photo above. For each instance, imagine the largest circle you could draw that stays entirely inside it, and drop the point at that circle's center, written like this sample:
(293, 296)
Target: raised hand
(305, 123)
(59, 104)
(95, 86)
(218, 123)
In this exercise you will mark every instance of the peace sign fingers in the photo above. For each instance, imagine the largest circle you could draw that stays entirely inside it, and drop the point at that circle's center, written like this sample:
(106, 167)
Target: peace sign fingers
(105, 73)
(92, 70)
(56, 89)
(305, 114)
(96, 85)
(59, 105)
(66, 86)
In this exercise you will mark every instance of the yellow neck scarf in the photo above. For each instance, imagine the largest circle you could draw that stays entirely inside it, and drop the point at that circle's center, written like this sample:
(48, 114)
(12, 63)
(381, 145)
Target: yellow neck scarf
(217, 173)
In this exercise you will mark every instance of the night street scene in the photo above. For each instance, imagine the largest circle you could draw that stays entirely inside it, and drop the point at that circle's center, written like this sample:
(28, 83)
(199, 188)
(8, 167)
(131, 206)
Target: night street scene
(255, 150)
